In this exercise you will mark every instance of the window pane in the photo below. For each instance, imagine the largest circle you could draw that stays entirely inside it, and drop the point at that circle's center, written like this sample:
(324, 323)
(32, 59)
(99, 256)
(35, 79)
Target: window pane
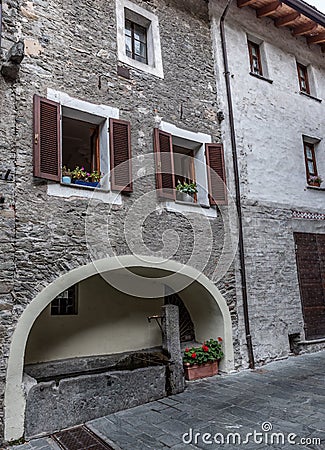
(140, 49)
(128, 27)
(128, 46)
(140, 33)
(309, 153)
(311, 169)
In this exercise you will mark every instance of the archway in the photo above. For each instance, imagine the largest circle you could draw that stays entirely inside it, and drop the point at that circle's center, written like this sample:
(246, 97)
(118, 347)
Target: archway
(207, 306)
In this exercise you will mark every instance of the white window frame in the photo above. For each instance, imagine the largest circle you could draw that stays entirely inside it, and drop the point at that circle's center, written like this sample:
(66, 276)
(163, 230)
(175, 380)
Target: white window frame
(97, 114)
(128, 10)
(196, 141)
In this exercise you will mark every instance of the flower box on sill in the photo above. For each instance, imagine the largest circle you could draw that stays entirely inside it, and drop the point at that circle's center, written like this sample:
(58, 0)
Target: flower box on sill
(197, 371)
(86, 183)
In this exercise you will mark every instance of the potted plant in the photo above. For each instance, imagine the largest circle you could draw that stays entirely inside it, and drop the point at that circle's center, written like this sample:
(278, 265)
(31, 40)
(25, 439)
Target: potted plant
(66, 175)
(186, 191)
(201, 362)
(81, 177)
(315, 180)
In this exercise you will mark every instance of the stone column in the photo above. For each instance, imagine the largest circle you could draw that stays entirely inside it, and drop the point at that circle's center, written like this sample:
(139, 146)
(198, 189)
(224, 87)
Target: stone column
(172, 348)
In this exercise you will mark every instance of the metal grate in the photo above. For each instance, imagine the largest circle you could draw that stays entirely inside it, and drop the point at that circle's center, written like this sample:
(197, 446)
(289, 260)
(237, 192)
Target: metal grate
(80, 438)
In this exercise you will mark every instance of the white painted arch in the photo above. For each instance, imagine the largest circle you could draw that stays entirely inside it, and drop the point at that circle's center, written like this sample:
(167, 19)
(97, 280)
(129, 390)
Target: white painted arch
(15, 402)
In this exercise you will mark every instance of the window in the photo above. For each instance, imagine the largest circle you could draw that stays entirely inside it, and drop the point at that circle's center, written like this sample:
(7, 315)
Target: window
(65, 303)
(191, 157)
(310, 267)
(310, 161)
(84, 128)
(255, 58)
(138, 39)
(303, 78)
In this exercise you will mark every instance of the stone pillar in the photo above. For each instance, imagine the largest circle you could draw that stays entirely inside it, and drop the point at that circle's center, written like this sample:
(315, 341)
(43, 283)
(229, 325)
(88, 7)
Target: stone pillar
(172, 347)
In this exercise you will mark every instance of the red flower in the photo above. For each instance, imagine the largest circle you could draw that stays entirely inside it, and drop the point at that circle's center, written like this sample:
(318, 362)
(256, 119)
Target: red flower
(205, 348)
(187, 349)
(219, 339)
(193, 355)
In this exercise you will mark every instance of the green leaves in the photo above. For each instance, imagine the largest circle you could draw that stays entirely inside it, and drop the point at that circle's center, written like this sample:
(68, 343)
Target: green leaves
(210, 351)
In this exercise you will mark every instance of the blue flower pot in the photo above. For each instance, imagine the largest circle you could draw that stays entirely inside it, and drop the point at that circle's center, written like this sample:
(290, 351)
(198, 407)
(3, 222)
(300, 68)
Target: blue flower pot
(87, 183)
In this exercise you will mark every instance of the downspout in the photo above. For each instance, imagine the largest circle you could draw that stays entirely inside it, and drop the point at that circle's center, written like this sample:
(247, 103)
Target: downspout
(237, 186)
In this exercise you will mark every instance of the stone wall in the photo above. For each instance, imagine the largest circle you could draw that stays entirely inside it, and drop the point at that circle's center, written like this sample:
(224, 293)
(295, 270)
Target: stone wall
(273, 289)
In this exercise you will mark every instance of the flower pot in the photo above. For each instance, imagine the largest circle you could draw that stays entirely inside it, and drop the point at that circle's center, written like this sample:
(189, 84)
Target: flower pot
(195, 372)
(87, 183)
(314, 183)
(66, 179)
(183, 197)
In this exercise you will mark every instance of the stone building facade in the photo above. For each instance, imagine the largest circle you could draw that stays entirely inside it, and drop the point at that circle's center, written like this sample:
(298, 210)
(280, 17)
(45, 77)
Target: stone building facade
(56, 237)
(275, 117)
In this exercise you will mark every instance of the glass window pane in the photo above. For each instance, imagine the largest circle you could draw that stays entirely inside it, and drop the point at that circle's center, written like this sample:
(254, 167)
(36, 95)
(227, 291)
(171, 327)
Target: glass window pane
(311, 167)
(128, 26)
(140, 49)
(128, 46)
(140, 33)
(309, 153)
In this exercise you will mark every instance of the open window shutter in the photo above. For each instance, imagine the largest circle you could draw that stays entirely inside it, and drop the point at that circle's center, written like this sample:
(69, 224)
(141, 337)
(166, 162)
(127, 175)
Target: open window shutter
(120, 151)
(47, 141)
(165, 180)
(216, 174)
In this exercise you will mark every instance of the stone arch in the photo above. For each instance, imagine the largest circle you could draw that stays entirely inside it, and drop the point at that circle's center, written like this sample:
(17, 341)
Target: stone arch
(211, 319)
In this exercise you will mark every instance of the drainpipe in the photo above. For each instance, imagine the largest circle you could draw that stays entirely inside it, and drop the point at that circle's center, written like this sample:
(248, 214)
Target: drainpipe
(237, 186)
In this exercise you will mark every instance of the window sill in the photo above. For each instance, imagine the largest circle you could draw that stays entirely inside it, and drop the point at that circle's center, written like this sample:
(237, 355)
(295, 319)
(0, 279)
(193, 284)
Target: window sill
(80, 186)
(310, 96)
(316, 188)
(65, 190)
(312, 341)
(188, 207)
(261, 77)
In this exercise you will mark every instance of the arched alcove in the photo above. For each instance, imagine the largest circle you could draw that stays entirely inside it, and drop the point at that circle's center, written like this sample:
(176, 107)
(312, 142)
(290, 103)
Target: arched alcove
(207, 307)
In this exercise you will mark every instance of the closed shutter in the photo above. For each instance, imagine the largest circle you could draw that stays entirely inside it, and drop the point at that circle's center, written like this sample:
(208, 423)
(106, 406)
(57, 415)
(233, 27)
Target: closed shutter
(216, 174)
(165, 180)
(310, 254)
(120, 152)
(47, 141)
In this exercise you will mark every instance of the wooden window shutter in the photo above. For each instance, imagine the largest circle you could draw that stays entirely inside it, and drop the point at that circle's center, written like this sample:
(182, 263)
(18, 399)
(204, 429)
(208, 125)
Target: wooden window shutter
(47, 140)
(120, 151)
(165, 180)
(216, 166)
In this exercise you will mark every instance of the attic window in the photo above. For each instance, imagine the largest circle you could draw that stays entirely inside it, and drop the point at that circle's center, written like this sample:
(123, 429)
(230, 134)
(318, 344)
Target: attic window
(138, 38)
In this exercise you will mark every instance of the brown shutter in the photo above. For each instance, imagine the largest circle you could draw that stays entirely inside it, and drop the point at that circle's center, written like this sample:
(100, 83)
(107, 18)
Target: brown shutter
(165, 180)
(216, 166)
(47, 141)
(310, 254)
(120, 151)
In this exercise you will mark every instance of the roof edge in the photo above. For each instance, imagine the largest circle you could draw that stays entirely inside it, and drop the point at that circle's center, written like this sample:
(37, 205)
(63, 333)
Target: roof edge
(307, 10)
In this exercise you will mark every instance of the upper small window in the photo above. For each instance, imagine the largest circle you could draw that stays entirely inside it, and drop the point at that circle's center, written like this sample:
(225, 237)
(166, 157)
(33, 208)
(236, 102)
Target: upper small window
(255, 58)
(303, 78)
(136, 41)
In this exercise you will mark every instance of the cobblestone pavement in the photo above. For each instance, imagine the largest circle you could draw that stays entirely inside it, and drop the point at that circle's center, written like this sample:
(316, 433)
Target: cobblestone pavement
(287, 396)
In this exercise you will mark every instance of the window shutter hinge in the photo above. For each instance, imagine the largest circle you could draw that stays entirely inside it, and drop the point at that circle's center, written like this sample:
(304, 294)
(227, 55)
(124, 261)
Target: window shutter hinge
(36, 139)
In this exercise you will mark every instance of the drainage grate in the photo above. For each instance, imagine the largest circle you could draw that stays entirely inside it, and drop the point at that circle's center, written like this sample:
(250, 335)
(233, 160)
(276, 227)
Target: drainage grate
(80, 438)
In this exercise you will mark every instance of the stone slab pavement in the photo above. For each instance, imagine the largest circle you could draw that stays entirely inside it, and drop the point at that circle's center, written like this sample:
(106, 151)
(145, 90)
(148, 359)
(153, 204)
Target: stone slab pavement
(278, 406)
